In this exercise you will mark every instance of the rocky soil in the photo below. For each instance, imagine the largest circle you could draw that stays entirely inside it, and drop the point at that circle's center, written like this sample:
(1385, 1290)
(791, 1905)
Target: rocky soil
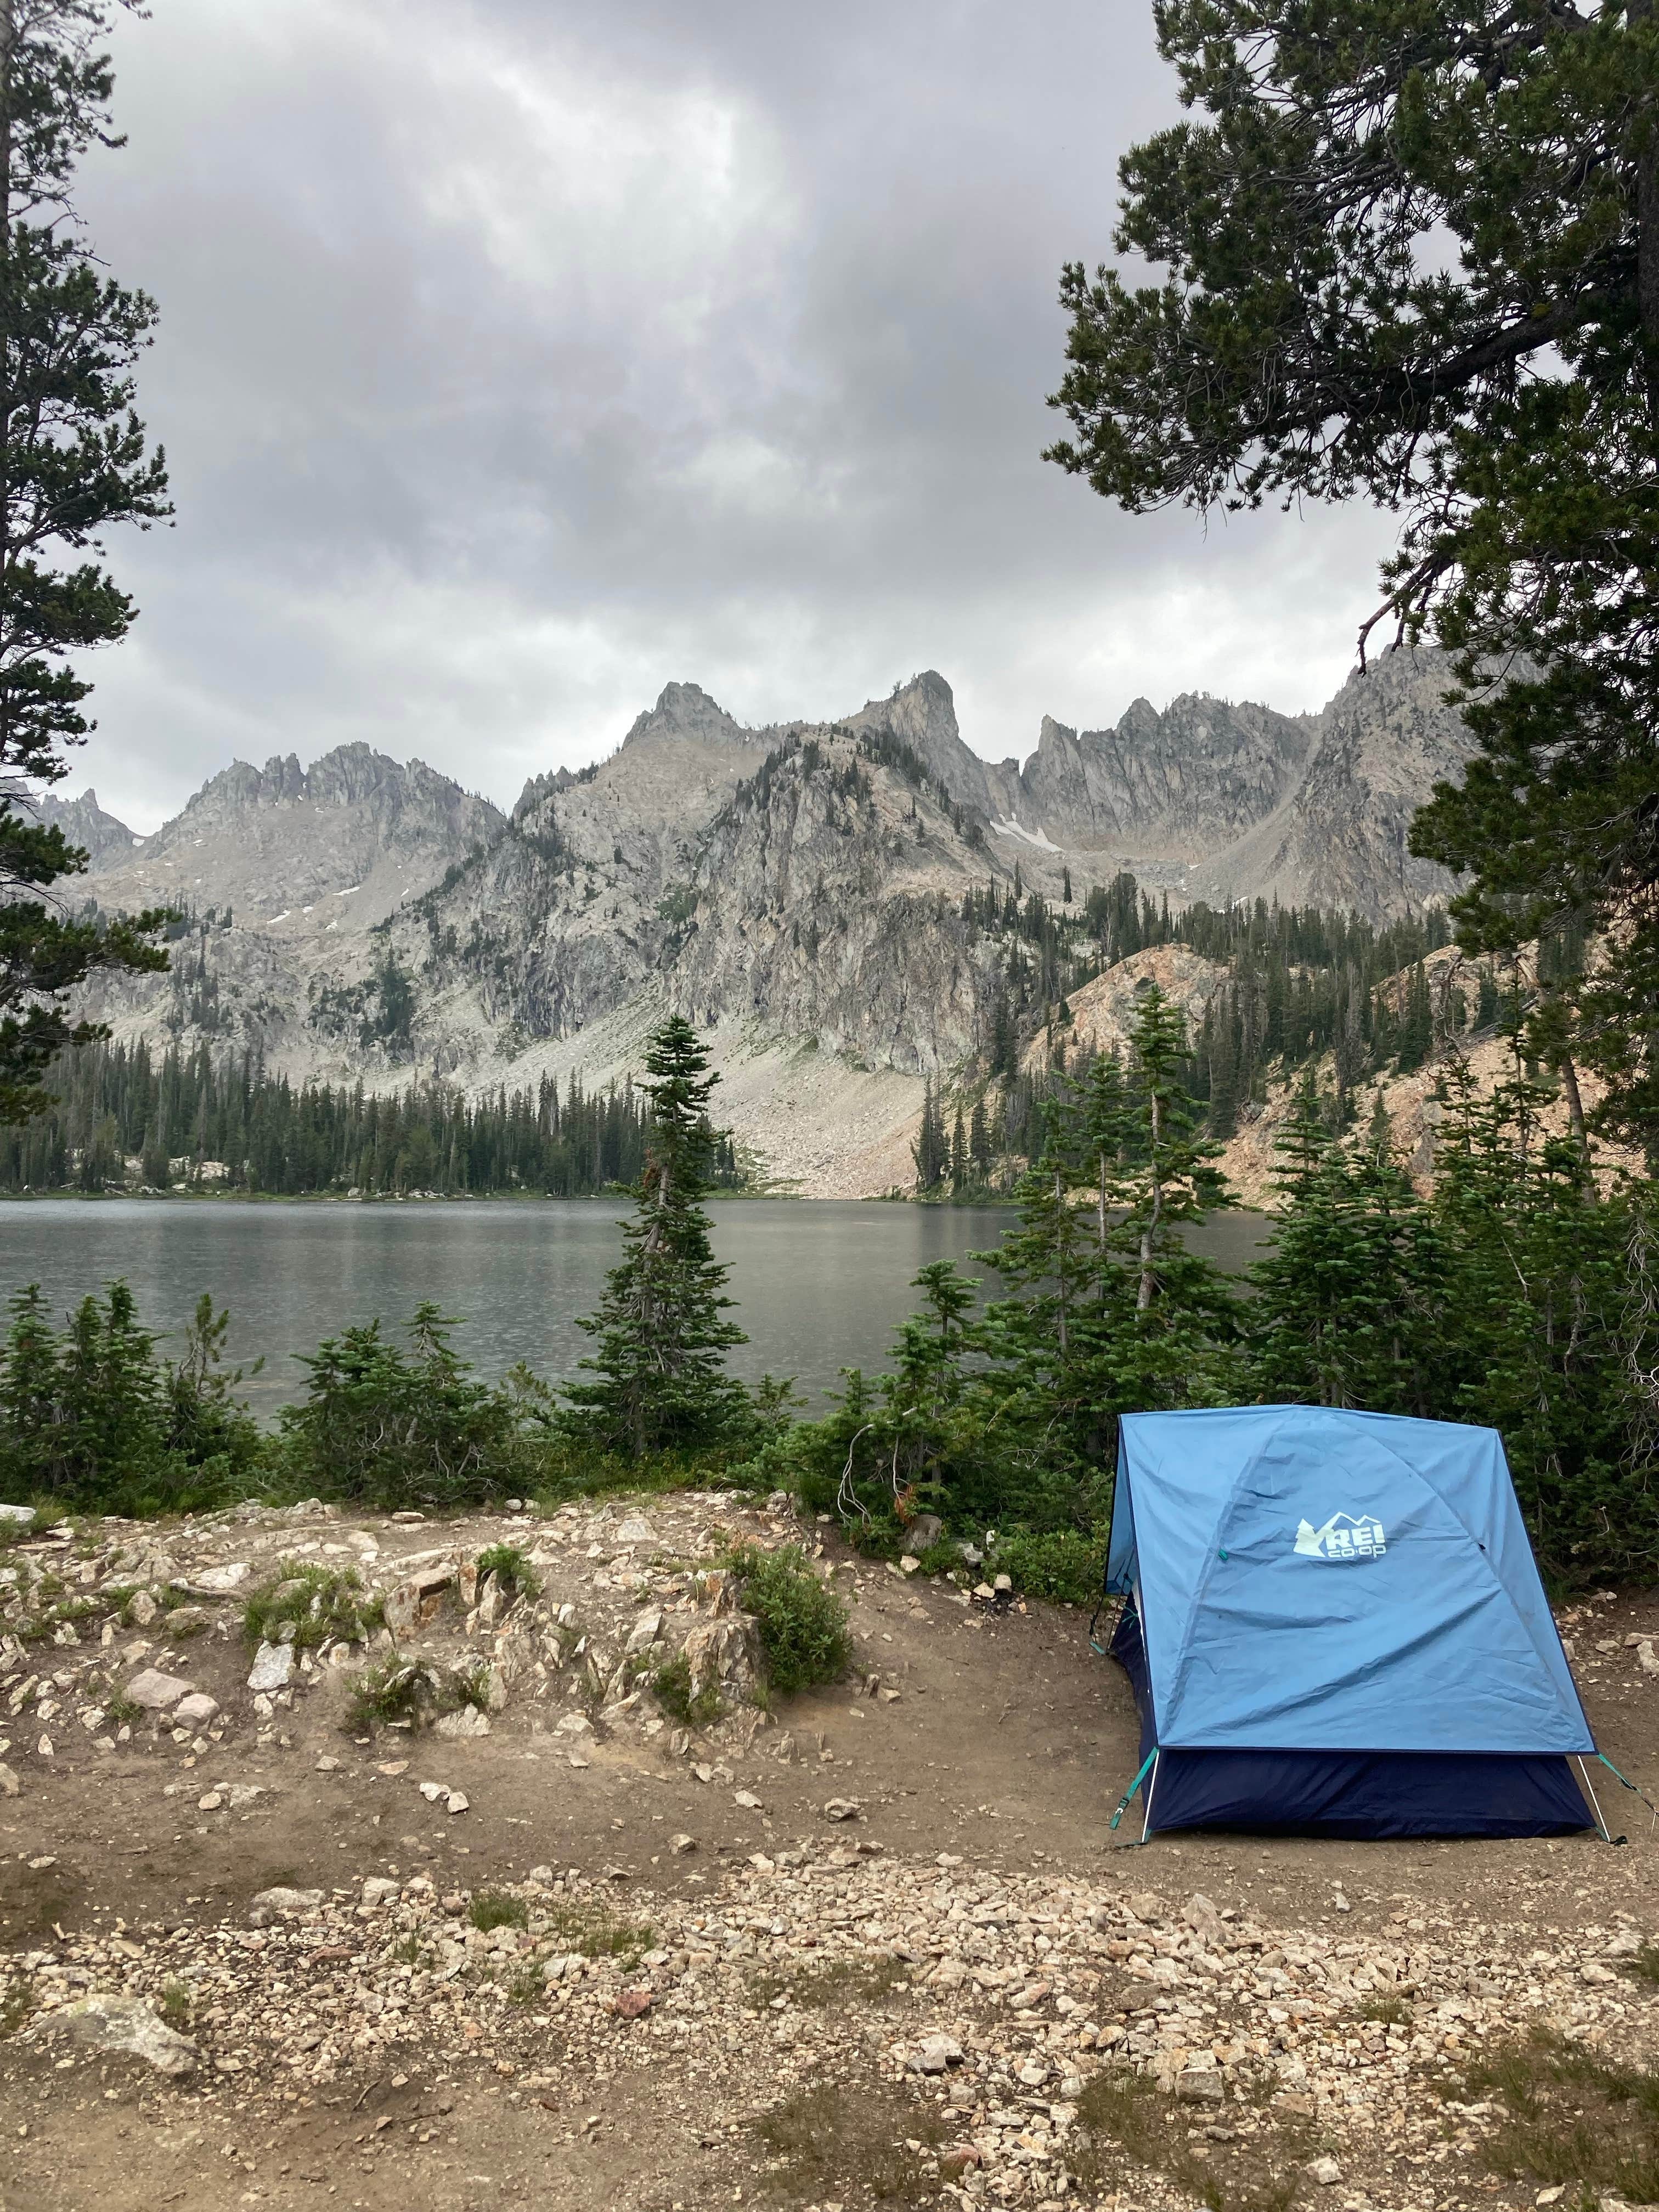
(877, 1945)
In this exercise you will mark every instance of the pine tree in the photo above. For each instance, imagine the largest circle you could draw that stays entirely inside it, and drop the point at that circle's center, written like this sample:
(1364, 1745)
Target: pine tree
(661, 1340)
(979, 1142)
(958, 1157)
(73, 460)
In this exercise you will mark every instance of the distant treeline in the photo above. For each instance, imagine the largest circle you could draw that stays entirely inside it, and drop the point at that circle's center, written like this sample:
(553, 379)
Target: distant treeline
(124, 1117)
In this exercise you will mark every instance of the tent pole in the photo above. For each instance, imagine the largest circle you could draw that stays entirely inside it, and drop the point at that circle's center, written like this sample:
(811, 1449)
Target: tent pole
(1595, 1800)
(1146, 1826)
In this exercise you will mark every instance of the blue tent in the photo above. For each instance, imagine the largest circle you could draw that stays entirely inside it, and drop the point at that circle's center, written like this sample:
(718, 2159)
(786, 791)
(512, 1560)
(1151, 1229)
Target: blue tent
(1334, 1625)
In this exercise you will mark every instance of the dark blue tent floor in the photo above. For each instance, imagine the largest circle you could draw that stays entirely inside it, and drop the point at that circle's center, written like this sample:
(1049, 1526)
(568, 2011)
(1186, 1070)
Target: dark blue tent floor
(1341, 1793)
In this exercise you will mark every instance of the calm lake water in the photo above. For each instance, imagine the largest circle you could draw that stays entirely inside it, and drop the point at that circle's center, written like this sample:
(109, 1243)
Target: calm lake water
(818, 1286)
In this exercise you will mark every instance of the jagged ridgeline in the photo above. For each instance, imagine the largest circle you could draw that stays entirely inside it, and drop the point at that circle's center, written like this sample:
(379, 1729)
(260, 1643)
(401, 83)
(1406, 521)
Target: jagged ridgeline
(185, 1121)
(828, 902)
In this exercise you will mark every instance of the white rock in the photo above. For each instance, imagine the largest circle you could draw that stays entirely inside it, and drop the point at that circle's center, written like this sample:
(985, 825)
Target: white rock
(272, 1669)
(379, 1890)
(223, 1580)
(842, 1808)
(9, 1785)
(22, 1515)
(937, 2054)
(109, 2022)
(456, 1802)
(1325, 2172)
(573, 1724)
(645, 1632)
(467, 1722)
(636, 1529)
(274, 1904)
(747, 1799)
(156, 1692)
(196, 1710)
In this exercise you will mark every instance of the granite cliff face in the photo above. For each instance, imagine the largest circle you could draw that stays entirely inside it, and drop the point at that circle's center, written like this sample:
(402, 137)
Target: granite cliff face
(797, 891)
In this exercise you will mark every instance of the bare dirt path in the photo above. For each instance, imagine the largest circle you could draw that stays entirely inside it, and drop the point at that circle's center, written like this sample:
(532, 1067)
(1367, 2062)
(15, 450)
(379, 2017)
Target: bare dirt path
(877, 1947)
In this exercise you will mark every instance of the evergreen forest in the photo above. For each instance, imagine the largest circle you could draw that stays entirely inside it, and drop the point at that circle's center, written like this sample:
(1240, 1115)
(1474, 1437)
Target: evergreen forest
(124, 1117)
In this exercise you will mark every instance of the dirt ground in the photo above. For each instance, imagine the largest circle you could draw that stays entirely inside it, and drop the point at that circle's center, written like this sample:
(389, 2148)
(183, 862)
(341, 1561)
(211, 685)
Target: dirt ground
(994, 1746)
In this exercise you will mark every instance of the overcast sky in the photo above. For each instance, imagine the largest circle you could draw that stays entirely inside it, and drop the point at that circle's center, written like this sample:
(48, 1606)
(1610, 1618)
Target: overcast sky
(519, 356)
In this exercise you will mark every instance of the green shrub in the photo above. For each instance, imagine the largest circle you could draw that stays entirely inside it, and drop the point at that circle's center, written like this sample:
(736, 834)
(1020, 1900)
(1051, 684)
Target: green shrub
(510, 1564)
(801, 1623)
(1065, 1567)
(671, 1685)
(323, 1604)
(391, 1429)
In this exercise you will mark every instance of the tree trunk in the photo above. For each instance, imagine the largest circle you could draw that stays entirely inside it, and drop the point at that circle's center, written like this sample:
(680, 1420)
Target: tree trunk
(1569, 1074)
(1647, 229)
(1149, 1234)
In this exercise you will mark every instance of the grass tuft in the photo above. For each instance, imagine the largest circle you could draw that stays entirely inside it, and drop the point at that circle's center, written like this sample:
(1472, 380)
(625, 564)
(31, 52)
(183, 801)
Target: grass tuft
(323, 1605)
(1572, 2116)
(1127, 2124)
(493, 1908)
(510, 1566)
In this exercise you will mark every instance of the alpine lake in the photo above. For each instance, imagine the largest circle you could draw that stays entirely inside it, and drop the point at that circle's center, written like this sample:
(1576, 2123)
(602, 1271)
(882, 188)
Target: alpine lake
(818, 1285)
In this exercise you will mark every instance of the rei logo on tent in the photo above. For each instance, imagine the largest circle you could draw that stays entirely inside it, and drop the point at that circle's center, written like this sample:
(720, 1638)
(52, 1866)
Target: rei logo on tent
(1342, 1537)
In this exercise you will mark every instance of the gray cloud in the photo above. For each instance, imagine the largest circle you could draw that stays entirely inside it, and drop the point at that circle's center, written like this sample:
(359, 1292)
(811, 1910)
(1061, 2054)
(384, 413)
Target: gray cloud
(519, 356)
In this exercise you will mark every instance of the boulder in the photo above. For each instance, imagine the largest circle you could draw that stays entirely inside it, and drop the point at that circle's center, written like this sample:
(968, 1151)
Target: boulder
(722, 1655)
(109, 2021)
(157, 1693)
(468, 1721)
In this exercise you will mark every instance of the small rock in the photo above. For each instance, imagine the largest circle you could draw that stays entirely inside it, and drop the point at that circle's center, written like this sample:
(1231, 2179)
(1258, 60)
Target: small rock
(9, 1785)
(223, 1580)
(432, 1791)
(1325, 2172)
(379, 1890)
(456, 1802)
(937, 2054)
(1597, 1975)
(327, 1764)
(1146, 1906)
(1033, 2074)
(272, 1669)
(842, 1808)
(142, 1608)
(681, 1844)
(156, 1692)
(21, 1516)
(747, 1799)
(632, 2004)
(209, 1803)
(108, 2021)
(645, 1632)
(908, 1564)
(573, 1724)
(1201, 2085)
(407, 1519)
(196, 1710)
(636, 1529)
(274, 1904)
(468, 1721)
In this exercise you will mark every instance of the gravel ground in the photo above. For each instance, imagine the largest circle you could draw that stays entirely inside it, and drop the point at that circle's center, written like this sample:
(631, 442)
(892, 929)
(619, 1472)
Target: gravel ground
(875, 1946)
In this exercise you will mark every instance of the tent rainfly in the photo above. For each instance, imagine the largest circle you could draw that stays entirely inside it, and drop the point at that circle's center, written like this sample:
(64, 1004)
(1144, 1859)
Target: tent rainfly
(1333, 1625)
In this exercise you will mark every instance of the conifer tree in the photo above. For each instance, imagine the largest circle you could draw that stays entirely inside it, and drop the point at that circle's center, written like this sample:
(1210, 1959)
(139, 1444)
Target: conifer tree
(73, 460)
(659, 1363)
